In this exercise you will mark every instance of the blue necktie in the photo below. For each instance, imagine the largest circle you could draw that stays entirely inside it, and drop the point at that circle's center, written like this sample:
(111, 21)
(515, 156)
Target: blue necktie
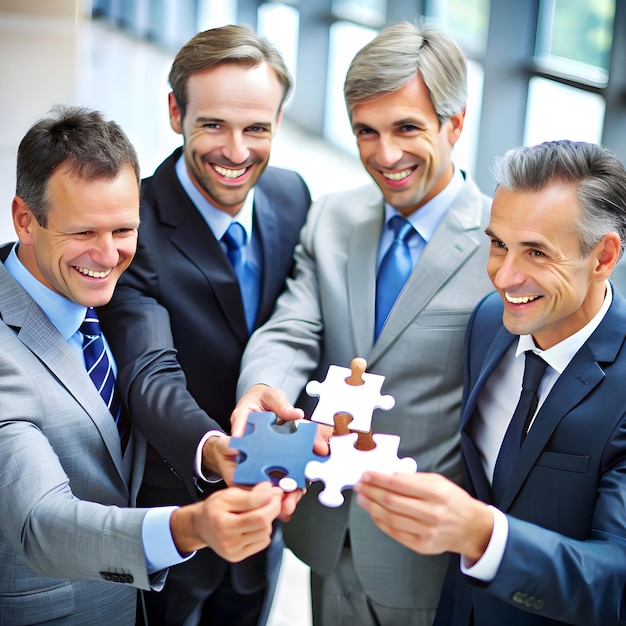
(100, 370)
(394, 270)
(235, 240)
(534, 369)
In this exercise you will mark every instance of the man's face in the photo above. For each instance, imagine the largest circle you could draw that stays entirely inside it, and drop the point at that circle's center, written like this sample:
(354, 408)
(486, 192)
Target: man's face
(549, 290)
(90, 237)
(232, 115)
(403, 147)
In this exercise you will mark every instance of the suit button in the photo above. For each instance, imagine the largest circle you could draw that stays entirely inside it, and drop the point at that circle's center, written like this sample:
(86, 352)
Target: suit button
(520, 597)
(538, 604)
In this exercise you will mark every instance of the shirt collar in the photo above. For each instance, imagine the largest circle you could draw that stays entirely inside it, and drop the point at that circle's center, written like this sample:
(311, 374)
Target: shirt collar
(426, 219)
(218, 220)
(559, 355)
(65, 315)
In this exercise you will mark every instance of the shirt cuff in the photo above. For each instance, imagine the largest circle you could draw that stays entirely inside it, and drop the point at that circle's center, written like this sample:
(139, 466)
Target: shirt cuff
(158, 545)
(197, 466)
(486, 567)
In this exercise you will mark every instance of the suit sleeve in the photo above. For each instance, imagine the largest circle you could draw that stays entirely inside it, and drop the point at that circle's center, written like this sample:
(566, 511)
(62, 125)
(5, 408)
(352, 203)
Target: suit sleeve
(58, 534)
(577, 581)
(286, 349)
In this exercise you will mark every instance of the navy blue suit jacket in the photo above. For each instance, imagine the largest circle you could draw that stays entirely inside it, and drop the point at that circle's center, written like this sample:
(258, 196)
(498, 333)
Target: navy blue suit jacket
(177, 326)
(565, 558)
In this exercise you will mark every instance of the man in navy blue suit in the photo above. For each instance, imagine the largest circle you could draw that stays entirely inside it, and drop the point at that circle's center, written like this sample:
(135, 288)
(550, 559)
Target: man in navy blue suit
(180, 320)
(540, 533)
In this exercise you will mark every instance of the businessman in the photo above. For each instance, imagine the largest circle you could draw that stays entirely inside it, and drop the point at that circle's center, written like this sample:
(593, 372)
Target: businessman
(541, 530)
(406, 94)
(72, 552)
(182, 314)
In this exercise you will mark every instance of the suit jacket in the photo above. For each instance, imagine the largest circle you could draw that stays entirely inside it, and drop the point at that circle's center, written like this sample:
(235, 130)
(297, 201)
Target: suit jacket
(63, 538)
(177, 326)
(565, 558)
(326, 316)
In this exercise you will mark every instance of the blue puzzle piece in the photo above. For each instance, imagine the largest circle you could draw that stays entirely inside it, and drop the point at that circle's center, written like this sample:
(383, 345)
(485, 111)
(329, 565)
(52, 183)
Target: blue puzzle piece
(270, 447)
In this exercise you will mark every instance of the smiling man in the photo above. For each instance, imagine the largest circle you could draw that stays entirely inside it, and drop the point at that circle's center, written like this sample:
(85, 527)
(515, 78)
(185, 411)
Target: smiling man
(215, 245)
(541, 529)
(406, 93)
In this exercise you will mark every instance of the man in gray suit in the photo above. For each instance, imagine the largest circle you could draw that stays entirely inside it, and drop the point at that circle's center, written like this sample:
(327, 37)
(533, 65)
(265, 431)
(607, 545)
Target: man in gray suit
(406, 94)
(67, 473)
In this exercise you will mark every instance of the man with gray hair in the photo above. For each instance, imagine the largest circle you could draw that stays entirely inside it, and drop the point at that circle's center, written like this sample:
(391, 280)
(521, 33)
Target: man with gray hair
(389, 272)
(540, 533)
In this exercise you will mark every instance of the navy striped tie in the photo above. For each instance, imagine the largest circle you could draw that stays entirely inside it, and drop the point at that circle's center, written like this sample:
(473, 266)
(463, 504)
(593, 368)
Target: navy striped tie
(100, 370)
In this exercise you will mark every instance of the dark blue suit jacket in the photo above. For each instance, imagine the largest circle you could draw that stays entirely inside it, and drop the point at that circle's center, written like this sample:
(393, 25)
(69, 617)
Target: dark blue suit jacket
(177, 327)
(565, 558)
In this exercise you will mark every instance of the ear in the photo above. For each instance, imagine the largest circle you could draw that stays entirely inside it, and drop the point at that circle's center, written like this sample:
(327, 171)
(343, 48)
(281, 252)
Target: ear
(455, 126)
(23, 220)
(607, 254)
(176, 121)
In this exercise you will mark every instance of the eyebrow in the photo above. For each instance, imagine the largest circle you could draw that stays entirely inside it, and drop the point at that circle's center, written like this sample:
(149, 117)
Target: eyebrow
(526, 244)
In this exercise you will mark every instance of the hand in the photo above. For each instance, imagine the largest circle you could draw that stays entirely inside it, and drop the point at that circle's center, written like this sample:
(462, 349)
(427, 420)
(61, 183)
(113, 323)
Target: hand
(235, 523)
(264, 398)
(219, 459)
(427, 513)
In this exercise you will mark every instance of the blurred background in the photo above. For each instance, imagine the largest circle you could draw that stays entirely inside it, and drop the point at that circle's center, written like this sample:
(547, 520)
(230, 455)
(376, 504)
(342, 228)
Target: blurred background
(538, 70)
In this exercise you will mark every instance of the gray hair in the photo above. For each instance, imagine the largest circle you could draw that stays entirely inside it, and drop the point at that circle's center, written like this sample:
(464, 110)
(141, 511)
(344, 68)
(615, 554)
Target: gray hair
(394, 57)
(81, 139)
(595, 172)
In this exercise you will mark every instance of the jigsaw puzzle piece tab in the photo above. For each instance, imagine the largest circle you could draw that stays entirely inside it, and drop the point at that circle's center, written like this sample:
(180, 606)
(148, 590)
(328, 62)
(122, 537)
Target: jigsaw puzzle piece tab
(347, 464)
(340, 392)
(268, 447)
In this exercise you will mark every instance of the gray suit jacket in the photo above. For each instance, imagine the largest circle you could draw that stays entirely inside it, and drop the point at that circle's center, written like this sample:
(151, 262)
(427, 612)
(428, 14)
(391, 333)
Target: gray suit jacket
(60, 462)
(326, 316)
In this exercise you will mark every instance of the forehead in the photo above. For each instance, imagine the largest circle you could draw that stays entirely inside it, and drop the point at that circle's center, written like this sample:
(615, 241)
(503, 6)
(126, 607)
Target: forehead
(549, 213)
(411, 101)
(234, 88)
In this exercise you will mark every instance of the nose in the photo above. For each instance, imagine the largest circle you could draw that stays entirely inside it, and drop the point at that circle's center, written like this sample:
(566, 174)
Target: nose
(388, 153)
(106, 250)
(235, 148)
(506, 271)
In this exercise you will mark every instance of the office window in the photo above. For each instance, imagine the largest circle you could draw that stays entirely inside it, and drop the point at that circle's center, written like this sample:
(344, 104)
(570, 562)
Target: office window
(465, 20)
(365, 12)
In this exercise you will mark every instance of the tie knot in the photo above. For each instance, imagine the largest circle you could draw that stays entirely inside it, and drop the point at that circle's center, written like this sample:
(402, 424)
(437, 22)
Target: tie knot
(91, 324)
(402, 228)
(235, 236)
(534, 369)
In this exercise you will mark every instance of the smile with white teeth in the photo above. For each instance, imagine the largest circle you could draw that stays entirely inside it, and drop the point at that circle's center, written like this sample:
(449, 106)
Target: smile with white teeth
(230, 174)
(92, 273)
(397, 175)
(520, 299)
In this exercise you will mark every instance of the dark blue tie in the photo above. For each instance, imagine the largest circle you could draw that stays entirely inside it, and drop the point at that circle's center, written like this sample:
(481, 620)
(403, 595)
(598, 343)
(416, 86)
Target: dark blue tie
(235, 240)
(534, 369)
(100, 370)
(394, 270)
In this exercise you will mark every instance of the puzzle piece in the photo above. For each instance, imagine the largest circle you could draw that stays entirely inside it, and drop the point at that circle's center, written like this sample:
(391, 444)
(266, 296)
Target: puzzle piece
(345, 390)
(347, 464)
(270, 447)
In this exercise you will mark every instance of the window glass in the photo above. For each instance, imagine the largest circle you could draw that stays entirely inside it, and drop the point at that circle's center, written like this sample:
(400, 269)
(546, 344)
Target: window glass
(364, 12)
(465, 20)
(556, 111)
(577, 30)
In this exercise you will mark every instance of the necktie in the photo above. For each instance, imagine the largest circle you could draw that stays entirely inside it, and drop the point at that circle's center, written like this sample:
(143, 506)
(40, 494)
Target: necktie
(534, 369)
(100, 370)
(235, 240)
(394, 270)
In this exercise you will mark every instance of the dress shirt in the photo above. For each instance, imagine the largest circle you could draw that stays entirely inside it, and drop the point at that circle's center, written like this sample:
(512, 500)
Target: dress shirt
(67, 316)
(496, 405)
(424, 220)
(219, 221)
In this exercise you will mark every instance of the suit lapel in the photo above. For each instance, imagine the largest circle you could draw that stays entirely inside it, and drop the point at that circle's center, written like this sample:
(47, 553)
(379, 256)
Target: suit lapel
(38, 334)
(361, 268)
(195, 240)
(452, 243)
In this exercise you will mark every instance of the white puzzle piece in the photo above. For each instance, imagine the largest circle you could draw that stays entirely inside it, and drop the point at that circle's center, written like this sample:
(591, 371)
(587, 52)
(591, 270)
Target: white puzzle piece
(347, 464)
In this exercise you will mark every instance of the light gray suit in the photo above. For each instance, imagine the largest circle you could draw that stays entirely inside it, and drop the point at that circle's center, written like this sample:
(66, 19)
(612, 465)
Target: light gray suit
(326, 316)
(60, 462)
